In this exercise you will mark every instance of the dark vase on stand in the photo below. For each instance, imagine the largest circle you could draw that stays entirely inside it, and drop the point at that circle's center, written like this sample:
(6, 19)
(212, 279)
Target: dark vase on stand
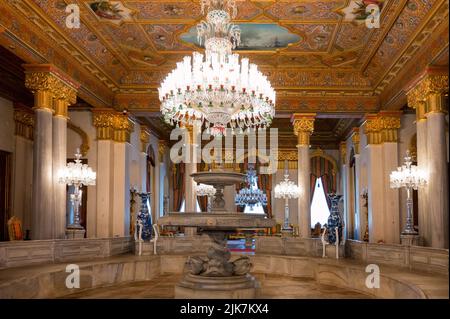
(145, 216)
(334, 220)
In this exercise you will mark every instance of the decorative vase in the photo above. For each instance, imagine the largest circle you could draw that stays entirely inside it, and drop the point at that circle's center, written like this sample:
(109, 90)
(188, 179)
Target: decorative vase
(334, 220)
(145, 217)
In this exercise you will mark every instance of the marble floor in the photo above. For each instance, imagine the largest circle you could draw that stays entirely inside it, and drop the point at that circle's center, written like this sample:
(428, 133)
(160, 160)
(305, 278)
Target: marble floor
(272, 287)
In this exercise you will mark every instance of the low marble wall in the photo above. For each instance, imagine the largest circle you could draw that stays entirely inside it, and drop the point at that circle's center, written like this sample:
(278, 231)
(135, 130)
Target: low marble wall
(295, 246)
(49, 281)
(413, 257)
(23, 253)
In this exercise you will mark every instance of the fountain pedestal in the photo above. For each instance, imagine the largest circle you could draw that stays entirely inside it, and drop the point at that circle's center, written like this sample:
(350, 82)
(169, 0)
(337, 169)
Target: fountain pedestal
(215, 275)
(230, 287)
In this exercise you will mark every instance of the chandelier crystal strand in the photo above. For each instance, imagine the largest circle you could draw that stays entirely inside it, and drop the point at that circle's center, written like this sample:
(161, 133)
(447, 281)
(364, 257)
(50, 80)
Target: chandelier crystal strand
(217, 88)
(286, 190)
(76, 174)
(410, 177)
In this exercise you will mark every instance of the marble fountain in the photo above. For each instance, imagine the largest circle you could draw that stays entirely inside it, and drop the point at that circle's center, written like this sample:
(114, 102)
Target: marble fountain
(214, 271)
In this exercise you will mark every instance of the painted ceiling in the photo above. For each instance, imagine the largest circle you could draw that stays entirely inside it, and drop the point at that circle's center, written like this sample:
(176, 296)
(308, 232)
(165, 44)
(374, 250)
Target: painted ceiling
(319, 55)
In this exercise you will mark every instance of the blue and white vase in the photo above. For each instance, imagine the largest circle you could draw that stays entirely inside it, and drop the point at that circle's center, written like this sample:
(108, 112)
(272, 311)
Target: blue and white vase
(334, 220)
(145, 216)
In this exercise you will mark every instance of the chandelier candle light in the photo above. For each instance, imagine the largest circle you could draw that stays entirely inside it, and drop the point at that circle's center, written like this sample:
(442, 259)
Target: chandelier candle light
(286, 190)
(216, 88)
(410, 177)
(206, 190)
(77, 174)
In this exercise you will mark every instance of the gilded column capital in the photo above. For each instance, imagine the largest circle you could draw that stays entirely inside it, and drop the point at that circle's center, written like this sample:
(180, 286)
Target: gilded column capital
(372, 129)
(303, 126)
(123, 127)
(287, 155)
(390, 122)
(24, 122)
(427, 91)
(355, 139)
(343, 152)
(382, 127)
(64, 96)
(144, 137)
(103, 120)
(49, 84)
(162, 147)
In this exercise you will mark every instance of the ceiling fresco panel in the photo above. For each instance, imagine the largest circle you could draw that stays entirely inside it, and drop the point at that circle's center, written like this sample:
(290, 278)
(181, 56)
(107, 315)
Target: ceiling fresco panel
(302, 10)
(170, 10)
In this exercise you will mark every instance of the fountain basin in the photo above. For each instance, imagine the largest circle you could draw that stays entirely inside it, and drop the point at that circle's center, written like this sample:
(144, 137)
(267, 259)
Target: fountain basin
(218, 177)
(217, 221)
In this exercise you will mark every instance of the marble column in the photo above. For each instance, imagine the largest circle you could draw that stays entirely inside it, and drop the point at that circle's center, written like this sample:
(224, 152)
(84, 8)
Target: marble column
(389, 135)
(64, 96)
(162, 147)
(359, 216)
(348, 220)
(123, 127)
(42, 85)
(426, 94)
(23, 165)
(303, 127)
(191, 167)
(113, 178)
(422, 162)
(437, 160)
(384, 213)
(103, 120)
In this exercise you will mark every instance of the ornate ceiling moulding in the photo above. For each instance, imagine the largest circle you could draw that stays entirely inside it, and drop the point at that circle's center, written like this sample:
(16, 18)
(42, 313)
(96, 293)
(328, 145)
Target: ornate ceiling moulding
(435, 18)
(286, 102)
(32, 36)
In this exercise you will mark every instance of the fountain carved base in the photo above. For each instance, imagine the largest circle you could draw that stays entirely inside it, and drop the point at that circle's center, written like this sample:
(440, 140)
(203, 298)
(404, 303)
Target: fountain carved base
(215, 276)
(204, 287)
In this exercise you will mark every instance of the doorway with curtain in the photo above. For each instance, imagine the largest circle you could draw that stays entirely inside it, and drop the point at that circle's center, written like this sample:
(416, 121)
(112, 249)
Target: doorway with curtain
(322, 183)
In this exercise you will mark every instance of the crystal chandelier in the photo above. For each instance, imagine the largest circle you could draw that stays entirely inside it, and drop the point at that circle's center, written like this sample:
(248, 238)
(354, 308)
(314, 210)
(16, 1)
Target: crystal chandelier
(76, 174)
(410, 177)
(206, 190)
(216, 88)
(286, 190)
(251, 195)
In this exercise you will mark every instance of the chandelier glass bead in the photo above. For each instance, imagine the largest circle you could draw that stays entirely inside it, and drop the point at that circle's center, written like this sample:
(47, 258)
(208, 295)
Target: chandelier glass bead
(217, 88)
(407, 176)
(251, 195)
(76, 173)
